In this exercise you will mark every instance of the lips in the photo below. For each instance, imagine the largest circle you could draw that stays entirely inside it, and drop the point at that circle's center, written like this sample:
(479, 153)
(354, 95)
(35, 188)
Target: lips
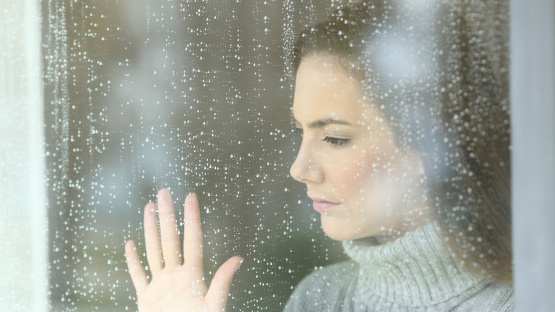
(322, 205)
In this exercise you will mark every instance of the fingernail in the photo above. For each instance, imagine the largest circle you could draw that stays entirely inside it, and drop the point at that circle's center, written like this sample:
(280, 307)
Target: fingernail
(193, 196)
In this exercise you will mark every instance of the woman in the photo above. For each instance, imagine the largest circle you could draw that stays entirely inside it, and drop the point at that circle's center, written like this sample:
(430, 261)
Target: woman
(408, 165)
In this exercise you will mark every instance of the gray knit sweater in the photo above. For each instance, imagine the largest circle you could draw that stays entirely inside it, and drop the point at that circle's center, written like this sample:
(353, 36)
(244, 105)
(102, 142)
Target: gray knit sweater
(414, 273)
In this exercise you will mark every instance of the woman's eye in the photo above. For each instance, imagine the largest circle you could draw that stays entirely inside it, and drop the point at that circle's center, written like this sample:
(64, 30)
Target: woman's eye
(335, 141)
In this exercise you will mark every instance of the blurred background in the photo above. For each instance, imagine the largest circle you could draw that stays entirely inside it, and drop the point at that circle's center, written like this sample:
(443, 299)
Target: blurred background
(190, 95)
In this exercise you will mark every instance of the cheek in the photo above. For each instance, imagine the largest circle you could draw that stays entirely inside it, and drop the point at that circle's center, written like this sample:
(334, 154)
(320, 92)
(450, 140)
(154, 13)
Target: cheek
(367, 175)
(354, 171)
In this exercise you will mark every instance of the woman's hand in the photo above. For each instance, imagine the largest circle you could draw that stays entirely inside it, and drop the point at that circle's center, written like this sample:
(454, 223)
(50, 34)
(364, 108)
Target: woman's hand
(177, 282)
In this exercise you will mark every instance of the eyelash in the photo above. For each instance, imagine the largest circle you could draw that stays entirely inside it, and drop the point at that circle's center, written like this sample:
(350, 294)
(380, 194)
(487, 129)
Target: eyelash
(335, 142)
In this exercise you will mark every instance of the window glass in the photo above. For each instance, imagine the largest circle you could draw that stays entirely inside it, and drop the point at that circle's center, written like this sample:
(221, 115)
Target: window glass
(197, 96)
(190, 95)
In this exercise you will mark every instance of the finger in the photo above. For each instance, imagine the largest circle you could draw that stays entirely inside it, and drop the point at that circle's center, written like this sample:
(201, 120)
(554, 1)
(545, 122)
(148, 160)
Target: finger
(152, 239)
(192, 240)
(136, 270)
(219, 288)
(171, 247)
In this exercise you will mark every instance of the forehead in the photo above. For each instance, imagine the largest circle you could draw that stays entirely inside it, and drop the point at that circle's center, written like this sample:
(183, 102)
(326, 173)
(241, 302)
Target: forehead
(324, 89)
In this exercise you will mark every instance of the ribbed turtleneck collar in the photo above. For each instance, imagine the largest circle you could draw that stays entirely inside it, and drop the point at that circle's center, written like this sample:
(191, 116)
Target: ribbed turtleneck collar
(414, 270)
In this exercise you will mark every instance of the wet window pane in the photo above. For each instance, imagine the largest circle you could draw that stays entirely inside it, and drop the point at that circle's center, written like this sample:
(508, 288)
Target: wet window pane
(198, 96)
(190, 95)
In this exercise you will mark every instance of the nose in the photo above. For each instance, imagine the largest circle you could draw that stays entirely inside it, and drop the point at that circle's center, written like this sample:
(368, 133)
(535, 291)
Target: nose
(305, 168)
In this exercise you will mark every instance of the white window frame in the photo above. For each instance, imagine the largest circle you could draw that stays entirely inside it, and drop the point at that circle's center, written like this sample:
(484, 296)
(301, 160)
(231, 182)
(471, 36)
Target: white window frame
(533, 152)
(23, 213)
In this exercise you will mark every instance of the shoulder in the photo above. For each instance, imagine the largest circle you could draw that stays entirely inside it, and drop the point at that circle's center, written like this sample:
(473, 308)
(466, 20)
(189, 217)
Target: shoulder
(496, 296)
(322, 288)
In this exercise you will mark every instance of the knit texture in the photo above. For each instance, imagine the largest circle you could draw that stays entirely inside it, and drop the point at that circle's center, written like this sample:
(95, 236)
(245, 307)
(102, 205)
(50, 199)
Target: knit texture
(413, 273)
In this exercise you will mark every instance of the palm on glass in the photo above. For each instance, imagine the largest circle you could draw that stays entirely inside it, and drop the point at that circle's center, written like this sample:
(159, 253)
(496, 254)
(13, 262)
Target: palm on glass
(177, 282)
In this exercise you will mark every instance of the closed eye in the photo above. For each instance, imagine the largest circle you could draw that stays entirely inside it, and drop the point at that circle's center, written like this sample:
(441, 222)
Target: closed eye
(335, 142)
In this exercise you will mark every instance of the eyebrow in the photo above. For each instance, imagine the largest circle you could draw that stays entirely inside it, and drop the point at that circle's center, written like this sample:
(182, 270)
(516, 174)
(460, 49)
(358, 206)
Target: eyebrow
(320, 123)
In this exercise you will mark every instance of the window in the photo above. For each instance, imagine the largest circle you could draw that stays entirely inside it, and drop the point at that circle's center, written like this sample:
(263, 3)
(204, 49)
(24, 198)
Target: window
(143, 95)
(105, 102)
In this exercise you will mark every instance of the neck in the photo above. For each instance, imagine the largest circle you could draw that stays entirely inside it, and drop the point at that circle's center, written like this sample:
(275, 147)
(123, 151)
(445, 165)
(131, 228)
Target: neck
(416, 269)
(412, 220)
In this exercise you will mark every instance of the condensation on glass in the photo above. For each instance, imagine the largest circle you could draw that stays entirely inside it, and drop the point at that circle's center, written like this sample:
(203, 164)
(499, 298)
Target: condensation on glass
(190, 95)
(195, 96)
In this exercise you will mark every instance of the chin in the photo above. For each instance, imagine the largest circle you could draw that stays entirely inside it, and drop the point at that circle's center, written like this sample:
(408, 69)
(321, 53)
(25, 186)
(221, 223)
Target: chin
(341, 231)
(337, 236)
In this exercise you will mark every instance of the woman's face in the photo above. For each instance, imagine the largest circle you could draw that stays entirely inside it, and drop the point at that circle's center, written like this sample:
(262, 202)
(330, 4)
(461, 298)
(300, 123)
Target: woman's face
(361, 183)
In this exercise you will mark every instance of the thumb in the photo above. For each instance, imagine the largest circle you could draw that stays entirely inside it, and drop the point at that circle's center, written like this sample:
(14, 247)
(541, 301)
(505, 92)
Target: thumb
(218, 292)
